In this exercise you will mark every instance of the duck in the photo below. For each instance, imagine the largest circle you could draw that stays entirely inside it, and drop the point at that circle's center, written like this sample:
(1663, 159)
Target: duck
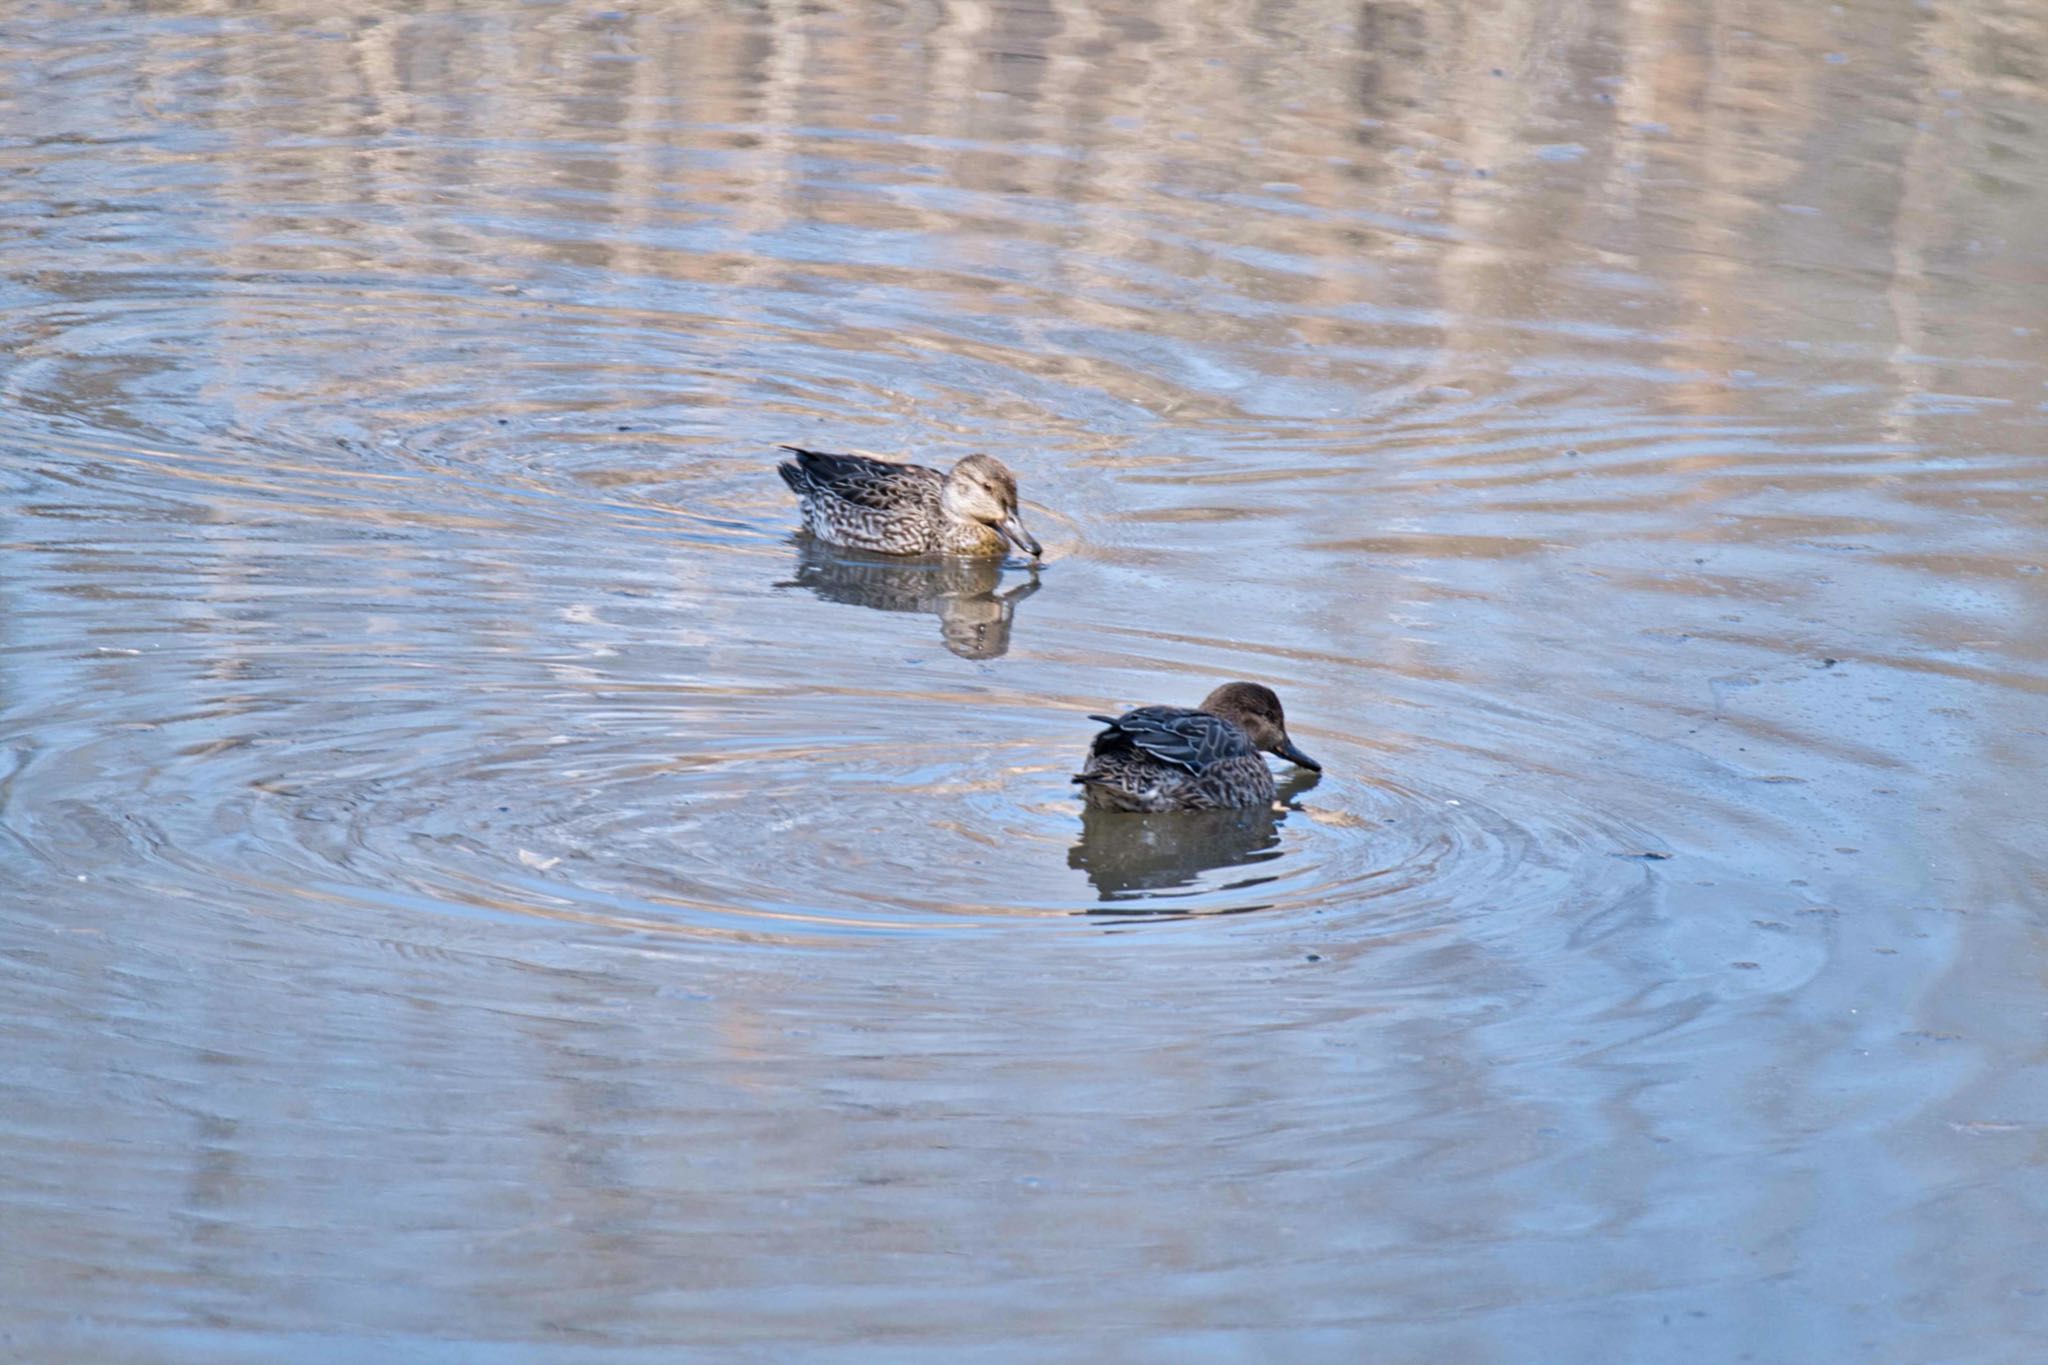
(1208, 757)
(906, 509)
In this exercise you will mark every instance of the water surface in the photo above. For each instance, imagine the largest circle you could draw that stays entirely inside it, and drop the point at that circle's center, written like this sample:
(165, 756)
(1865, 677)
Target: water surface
(474, 885)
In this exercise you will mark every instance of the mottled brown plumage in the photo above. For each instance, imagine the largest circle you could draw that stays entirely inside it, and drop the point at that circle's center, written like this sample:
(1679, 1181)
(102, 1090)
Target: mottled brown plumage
(907, 509)
(1174, 758)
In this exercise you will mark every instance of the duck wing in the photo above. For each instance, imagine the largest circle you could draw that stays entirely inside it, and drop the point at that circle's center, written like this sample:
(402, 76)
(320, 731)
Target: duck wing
(1188, 739)
(862, 480)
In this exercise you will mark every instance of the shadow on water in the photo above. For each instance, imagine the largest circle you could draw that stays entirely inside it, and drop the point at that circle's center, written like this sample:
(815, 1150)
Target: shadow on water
(1132, 860)
(974, 617)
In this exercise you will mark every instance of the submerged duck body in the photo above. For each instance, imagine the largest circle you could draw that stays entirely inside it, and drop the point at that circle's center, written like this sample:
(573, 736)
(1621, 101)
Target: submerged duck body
(906, 509)
(1210, 757)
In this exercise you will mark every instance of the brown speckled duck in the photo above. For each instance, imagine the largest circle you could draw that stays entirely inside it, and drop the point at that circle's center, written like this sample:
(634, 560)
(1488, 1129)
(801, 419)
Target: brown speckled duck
(906, 509)
(1171, 758)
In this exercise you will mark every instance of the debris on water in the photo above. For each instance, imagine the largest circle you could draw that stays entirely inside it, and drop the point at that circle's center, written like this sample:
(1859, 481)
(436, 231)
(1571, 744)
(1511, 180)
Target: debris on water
(535, 860)
(1747, 966)
(1647, 855)
(1829, 663)
(1314, 957)
(1338, 819)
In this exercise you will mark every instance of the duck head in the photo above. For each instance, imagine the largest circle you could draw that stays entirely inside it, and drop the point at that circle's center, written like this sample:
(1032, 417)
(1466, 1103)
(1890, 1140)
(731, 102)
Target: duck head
(1256, 710)
(981, 489)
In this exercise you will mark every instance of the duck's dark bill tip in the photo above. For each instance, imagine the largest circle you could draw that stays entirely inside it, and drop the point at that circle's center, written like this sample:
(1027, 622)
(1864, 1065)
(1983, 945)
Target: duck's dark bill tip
(1013, 531)
(1288, 751)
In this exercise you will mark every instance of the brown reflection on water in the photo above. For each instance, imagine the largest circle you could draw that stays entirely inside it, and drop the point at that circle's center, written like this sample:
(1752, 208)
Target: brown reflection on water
(974, 608)
(1500, 156)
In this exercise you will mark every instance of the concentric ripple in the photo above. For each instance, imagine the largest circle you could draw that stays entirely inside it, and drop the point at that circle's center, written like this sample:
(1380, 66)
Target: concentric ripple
(458, 623)
(765, 812)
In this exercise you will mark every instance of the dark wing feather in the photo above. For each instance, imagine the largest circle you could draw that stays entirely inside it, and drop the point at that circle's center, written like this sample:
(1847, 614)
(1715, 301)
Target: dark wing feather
(881, 484)
(1187, 739)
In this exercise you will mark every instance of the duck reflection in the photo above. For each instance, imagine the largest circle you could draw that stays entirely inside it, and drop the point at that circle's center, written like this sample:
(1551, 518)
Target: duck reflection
(1130, 857)
(974, 618)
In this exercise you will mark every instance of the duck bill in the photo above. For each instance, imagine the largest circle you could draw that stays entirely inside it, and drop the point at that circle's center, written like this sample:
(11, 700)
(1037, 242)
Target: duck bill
(1287, 750)
(1013, 527)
